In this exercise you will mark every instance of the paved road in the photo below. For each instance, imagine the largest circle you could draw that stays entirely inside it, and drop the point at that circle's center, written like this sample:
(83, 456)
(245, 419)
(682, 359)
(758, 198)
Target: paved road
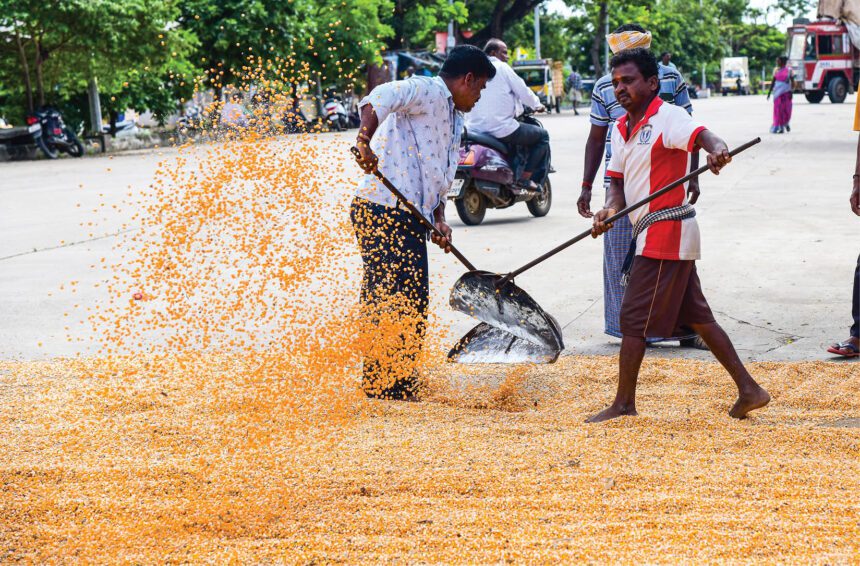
(779, 241)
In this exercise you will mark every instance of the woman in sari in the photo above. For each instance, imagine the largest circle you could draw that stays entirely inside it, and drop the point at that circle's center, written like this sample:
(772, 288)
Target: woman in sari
(781, 87)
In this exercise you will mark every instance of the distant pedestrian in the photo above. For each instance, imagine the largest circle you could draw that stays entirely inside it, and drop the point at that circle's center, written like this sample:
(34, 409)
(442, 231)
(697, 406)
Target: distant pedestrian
(781, 87)
(666, 60)
(851, 348)
(233, 114)
(574, 89)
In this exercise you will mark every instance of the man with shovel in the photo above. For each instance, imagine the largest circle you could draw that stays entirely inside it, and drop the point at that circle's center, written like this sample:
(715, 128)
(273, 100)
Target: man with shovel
(605, 110)
(410, 130)
(651, 146)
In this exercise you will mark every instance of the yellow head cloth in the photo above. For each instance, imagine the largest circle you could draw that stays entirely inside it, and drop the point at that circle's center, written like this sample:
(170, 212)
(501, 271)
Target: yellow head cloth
(628, 40)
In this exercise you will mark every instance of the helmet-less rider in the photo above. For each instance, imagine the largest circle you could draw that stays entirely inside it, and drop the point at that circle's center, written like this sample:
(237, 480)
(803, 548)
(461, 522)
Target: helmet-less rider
(495, 115)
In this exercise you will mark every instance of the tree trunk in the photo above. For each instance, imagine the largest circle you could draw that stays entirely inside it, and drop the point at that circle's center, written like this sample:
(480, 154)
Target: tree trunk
(496, 28)
(399, 25)
(505, 13)
(597, 43)
(40, 82)
(25, 65)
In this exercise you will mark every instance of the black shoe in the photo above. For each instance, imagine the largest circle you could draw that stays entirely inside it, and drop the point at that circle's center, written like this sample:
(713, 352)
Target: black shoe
(403, 390)
(527, 185)
(696, 343)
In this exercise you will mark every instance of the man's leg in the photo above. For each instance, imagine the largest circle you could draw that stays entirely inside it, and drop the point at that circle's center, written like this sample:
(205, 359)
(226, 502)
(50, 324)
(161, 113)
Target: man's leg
(393, 295)
(751, 395)
(536, 139)
(629, 362)
(855, 305)
(413, 285)
(851, 346)
(633, 320)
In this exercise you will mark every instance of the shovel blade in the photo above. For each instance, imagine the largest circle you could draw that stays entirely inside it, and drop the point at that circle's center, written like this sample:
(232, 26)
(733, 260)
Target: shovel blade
(509, 309)
(486, 344)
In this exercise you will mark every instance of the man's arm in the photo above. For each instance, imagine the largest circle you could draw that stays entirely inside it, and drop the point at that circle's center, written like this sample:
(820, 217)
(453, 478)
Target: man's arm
(855, 193)
(718, 151)
(682, 95)
(614, 202)
(441, 224)
(369, 123)
(682, 99)
(594, 151)
(693, 190)
(520, 89)
(385, 99)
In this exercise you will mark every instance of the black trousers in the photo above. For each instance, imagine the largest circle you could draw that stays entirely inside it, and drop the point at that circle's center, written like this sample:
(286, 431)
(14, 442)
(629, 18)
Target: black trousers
(395, 295)
(855, 302)
(536, 139)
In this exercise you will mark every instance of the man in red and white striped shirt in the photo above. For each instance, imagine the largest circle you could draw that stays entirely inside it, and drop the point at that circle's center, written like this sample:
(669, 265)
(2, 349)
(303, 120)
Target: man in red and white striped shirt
(651, 147)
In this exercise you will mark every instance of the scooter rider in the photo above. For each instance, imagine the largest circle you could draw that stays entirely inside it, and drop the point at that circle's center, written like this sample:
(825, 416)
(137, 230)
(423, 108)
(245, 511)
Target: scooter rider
(495, 115)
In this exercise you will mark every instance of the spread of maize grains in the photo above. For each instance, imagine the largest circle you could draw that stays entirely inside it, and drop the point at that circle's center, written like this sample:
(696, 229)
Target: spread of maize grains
(223, 418)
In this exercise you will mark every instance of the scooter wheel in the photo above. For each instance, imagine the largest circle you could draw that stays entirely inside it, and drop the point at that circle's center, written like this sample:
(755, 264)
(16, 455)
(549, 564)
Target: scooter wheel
(539, 205)
(472, 207)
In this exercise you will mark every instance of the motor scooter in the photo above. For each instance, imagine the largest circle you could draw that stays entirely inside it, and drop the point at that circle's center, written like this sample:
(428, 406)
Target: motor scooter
(56, 137)
(335, 113)
(19, 141)
(487, 173)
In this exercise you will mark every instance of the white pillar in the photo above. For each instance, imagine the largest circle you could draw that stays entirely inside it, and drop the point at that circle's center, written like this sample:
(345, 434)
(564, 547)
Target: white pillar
(450, 42)
(95, 106)
(537, 32)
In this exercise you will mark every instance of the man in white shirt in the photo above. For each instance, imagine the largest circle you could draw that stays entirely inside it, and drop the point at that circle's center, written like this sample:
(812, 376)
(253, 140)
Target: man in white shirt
(410, 130)
(495, 115)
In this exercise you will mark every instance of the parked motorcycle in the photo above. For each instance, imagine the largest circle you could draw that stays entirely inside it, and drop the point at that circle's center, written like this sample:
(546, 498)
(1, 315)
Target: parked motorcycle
(191, 124)
(294, 119)
(19, 141)
(486, 177)
(335, 113)
(56, 136)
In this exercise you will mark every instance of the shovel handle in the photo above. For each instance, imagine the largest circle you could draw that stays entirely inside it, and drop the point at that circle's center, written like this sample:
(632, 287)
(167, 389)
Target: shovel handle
(621, 214)
(414, 211)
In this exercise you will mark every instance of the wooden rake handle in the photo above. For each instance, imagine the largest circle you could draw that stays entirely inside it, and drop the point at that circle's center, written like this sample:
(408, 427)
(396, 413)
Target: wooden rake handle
(621, 214)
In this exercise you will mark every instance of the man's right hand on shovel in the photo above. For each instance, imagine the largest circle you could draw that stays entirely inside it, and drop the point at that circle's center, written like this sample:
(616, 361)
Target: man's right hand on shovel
(368, 160)
(600, 226)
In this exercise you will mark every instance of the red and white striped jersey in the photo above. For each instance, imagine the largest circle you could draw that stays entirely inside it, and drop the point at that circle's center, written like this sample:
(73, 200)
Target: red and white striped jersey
(650, 157)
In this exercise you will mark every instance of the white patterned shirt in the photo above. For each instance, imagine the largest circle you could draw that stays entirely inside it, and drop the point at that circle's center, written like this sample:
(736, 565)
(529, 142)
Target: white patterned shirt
(417, 142)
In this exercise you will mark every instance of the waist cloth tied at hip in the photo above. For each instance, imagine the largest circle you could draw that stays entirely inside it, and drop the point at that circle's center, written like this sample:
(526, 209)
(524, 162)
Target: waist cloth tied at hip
(682, 212)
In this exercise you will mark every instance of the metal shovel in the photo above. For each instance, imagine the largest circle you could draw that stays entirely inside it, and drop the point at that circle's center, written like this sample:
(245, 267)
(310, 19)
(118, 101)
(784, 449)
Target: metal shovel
(496, 301)
(527, 334)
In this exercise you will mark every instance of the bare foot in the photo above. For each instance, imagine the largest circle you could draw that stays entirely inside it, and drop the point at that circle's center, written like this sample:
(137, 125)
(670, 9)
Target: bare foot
(749, 402)
(613, 412)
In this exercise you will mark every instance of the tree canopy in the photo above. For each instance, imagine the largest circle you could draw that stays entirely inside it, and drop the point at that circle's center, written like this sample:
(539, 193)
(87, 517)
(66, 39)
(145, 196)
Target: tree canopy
(150, 54)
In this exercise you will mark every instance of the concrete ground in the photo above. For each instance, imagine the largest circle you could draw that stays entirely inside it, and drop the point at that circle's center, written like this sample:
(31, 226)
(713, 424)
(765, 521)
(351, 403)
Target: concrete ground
(779, 240)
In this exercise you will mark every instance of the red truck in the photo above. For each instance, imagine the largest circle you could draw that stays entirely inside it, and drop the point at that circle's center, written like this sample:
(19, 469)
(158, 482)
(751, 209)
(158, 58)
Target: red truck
(824, 60)
(822, 54)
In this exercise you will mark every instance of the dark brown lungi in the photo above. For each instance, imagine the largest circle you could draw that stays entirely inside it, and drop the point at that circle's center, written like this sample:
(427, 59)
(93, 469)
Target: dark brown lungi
(663, 295)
